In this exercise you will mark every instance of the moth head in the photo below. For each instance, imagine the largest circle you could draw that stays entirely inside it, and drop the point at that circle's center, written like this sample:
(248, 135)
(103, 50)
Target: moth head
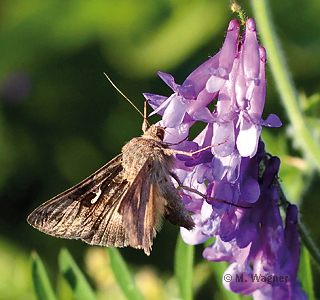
(155, 132)
(160, 133)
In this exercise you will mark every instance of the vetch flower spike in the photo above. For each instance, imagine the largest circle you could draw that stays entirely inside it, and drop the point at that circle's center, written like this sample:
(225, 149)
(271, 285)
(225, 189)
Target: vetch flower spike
(263, 254)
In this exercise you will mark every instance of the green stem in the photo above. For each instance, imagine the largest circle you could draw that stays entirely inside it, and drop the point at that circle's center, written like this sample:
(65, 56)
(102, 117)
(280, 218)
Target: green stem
(309, 243)
(303, 232)
(287, 91)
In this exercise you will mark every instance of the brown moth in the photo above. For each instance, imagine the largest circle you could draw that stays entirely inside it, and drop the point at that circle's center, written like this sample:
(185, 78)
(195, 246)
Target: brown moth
(122, 203)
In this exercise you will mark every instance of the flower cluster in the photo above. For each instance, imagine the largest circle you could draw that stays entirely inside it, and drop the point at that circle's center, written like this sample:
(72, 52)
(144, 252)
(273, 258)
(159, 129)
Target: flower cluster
(249, 232)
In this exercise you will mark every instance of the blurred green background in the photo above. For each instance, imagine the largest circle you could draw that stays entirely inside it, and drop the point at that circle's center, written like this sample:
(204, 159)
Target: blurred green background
(60, 119)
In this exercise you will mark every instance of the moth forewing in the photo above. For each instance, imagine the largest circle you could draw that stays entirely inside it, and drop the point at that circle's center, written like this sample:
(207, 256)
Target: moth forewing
(122, 203)
(72, 212)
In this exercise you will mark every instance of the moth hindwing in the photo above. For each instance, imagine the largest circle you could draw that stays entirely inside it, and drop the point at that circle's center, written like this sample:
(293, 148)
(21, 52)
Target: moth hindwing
(122, 203)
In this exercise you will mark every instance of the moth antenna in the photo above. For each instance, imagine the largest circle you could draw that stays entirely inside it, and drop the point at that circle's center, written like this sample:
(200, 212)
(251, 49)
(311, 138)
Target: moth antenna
(145, 121)
(144, 116)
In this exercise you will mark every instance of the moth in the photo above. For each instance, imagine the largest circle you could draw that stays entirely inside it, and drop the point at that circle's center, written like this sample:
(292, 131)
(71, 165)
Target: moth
(122, 203)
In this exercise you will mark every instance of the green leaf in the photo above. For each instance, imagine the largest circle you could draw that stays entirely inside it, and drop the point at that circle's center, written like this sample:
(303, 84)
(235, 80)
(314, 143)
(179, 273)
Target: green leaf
(123, 276)
(41, 283)
(183, 267)
(76, 279)
(305, 273)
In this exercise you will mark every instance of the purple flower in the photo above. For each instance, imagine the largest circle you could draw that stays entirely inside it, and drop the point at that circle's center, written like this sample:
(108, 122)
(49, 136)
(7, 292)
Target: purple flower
(248, 231)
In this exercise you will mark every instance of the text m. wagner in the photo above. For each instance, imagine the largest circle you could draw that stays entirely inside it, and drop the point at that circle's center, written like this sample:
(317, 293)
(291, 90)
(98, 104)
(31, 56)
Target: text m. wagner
(261, 278)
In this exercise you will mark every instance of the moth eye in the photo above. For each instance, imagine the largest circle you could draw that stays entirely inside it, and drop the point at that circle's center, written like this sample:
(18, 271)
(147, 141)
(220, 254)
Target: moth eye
(160, 133)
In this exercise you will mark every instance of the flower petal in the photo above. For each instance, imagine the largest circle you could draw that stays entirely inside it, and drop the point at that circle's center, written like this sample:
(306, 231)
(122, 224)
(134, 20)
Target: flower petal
(175, 111)
(248, 138)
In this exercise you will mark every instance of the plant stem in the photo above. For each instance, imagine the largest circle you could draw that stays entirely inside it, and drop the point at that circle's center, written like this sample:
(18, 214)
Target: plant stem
(283, 81)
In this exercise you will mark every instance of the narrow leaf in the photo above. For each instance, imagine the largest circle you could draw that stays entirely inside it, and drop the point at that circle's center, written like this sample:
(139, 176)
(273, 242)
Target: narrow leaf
(76, 279)
(183, 268)
(305, 273)
(41, 282)
(123, 276)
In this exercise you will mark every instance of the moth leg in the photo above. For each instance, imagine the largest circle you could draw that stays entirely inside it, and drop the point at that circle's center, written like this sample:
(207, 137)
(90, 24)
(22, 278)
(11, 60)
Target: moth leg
(176, 178)
(180, 185)
(186, 188)
(173, 151)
